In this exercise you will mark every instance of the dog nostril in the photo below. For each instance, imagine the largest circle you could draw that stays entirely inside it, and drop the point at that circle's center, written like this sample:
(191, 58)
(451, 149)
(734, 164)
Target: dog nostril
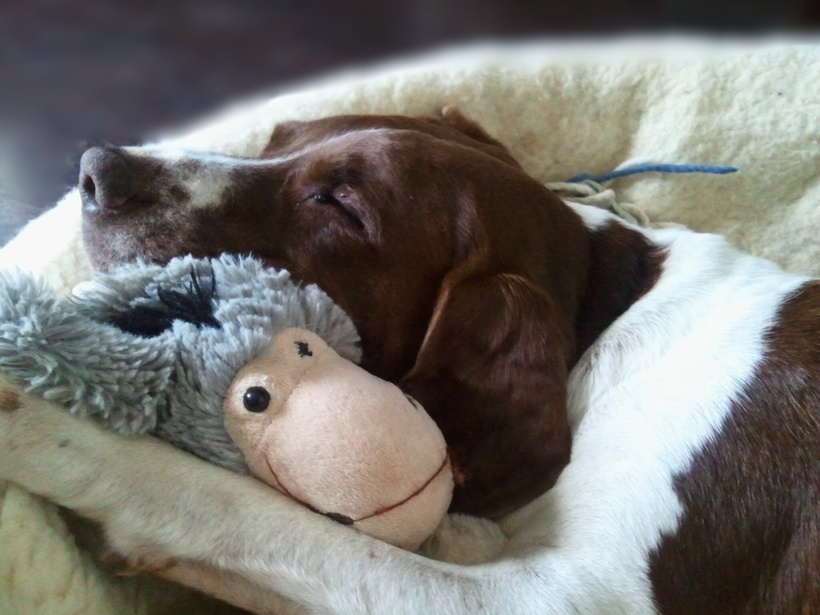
(88, 187)
(110, 179)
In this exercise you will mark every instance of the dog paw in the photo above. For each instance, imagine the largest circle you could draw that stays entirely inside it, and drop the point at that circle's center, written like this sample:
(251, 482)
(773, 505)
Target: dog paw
(41, 446)
(9, 400)
(12, 416)
(114, 561)
(449, 109)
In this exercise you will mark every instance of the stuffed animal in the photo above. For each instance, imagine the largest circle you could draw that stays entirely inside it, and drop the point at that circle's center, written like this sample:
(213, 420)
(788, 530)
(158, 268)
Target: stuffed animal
(336, 438)
(240, 366)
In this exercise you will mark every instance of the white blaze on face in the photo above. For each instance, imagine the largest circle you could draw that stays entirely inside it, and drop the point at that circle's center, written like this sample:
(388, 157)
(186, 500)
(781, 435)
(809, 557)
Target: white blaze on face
(204, 177)
(207, 188)
(207, 178)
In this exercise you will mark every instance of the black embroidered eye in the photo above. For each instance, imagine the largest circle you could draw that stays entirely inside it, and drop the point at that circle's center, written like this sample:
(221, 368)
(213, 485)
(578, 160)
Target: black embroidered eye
(256, 399)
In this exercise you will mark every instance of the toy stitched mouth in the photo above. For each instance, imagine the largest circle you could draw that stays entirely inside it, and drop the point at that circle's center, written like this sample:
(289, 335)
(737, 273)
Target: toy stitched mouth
(344, 519)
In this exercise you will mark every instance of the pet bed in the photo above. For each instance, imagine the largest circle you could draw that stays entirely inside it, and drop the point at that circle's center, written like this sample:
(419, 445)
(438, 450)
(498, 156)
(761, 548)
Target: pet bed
(563, 109)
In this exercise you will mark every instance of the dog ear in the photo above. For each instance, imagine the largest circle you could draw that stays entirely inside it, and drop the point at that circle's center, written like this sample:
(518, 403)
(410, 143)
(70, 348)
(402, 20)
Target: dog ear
(452, 117)
(500, 346)
(283, 136)
(290, 136)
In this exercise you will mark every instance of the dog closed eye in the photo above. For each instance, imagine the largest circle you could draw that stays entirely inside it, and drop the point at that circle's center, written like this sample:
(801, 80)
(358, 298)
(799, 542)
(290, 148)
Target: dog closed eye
(340, 201)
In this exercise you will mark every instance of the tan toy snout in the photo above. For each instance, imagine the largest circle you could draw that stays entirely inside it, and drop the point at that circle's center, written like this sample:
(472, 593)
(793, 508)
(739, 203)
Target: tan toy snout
(339, 440)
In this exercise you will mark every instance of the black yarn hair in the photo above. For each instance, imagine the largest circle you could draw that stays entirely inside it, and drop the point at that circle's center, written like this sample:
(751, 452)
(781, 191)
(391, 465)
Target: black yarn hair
(193, 303)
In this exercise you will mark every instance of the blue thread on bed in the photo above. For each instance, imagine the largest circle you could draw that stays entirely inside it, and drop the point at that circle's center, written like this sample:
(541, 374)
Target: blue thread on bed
(658, 168)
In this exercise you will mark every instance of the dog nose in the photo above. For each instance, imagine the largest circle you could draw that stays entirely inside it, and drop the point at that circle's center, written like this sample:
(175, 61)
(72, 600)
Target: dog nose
(112, 179)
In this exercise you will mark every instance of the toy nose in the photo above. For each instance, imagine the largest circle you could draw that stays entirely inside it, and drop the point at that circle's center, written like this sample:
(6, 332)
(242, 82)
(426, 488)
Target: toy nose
(112, 180)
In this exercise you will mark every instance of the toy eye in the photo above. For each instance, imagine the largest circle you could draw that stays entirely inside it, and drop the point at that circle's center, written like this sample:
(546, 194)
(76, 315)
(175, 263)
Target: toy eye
(256, 399)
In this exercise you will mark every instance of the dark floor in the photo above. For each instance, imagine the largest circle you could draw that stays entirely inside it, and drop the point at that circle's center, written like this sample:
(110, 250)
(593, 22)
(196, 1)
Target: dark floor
(107, 70)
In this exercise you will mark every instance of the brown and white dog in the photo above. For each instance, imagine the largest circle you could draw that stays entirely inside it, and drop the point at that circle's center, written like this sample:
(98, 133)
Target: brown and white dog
(684, 374)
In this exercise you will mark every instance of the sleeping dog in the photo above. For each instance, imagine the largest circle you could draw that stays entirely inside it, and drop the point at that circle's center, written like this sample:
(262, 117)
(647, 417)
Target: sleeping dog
(638, 409)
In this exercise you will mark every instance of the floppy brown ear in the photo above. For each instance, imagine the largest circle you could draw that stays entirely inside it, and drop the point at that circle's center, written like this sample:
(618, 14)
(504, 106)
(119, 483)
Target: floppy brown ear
(501, 347)
(290, 136)
(452, 117)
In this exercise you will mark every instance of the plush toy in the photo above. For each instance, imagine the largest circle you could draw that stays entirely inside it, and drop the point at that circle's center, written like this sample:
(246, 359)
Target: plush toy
(240, 366)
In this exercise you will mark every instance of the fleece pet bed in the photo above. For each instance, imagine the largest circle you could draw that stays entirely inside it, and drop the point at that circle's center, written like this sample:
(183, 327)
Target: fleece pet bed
(563, 109)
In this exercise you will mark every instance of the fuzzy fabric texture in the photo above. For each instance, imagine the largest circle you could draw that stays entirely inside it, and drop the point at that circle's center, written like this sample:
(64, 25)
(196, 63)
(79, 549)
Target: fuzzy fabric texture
(563, 109)
(170, 382)
(94, 369)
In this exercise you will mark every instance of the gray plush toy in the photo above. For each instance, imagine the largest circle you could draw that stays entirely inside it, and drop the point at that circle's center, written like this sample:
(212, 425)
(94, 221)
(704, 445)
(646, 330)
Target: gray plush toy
(235, 363)
(153, 349)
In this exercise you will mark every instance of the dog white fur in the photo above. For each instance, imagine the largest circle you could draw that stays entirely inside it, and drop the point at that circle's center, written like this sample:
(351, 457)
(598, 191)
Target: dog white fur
(644, 398)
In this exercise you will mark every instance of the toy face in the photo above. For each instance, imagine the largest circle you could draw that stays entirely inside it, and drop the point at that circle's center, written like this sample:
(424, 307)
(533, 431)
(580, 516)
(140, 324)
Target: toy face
(262, 389)
(335, 438)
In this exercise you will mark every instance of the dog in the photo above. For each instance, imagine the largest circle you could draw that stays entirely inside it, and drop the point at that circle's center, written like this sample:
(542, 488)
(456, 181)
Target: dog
(639, 409)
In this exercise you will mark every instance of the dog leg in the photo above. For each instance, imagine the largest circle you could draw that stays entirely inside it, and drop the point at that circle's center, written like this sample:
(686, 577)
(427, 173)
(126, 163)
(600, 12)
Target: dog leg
(231, 588)
(160, 506)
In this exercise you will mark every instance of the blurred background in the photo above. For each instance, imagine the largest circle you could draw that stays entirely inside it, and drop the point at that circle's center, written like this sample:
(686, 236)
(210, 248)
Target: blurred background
(80, 71)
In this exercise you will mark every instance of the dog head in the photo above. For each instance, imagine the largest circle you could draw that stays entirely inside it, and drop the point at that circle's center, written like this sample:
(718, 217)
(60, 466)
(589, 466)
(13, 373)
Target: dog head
(462, 274)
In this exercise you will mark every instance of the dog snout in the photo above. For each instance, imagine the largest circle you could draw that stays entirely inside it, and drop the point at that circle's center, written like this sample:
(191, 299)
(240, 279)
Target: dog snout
(112, 180)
